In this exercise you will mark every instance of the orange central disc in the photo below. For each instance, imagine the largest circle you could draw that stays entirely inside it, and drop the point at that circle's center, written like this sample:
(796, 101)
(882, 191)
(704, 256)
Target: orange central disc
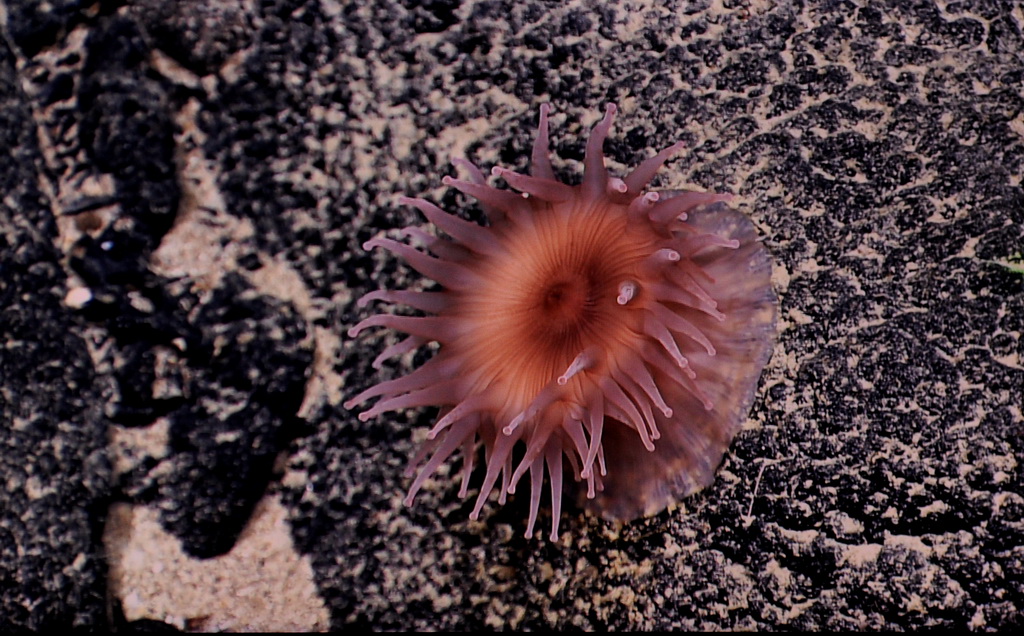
(551, 293)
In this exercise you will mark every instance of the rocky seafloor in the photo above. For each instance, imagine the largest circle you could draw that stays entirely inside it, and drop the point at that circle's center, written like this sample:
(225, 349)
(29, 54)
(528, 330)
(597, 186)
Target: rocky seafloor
(186, 189)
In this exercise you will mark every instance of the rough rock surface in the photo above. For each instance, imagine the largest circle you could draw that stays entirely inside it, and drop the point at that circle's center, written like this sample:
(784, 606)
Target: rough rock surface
(186, 187)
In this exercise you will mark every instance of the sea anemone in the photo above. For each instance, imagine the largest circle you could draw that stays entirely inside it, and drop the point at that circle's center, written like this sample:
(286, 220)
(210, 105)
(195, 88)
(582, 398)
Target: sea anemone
(616, 332)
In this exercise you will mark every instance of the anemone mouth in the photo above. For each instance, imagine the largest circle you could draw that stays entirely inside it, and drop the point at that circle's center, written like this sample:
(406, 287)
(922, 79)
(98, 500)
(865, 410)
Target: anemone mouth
(593, 324)
(567, 307)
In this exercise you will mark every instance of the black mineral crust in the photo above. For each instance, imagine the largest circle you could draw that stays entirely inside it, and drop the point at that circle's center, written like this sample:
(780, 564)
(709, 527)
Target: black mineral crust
(53, 438)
